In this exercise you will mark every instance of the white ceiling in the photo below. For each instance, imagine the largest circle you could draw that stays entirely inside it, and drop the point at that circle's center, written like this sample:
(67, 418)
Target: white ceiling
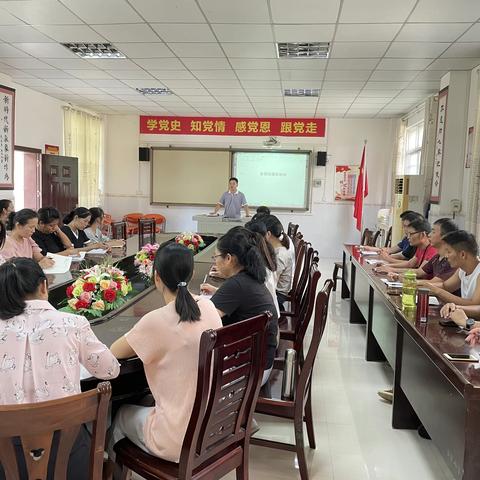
(219, 56)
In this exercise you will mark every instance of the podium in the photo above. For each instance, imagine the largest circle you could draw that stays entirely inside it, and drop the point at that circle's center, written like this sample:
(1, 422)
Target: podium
(218, 225)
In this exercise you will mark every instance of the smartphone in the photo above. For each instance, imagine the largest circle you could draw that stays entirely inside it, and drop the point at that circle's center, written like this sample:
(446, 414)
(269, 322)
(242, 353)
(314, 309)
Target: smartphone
(459, 357)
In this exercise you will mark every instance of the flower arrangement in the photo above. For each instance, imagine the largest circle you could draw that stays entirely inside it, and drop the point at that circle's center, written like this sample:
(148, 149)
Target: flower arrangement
(193, 241)
(97, 290)
(144, 259)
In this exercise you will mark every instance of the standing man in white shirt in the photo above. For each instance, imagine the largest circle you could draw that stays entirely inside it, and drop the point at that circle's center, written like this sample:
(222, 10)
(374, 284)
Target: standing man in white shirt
(232, 201)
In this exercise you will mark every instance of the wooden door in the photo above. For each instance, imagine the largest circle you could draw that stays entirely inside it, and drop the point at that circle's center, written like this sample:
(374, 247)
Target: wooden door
(60, 182)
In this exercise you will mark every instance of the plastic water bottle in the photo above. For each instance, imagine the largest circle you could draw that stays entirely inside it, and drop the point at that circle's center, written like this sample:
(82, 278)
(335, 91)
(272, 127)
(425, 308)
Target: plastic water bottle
(409, 291)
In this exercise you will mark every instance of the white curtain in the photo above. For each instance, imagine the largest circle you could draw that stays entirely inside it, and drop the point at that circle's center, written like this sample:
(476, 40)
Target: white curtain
(472, 220)
(83, 138)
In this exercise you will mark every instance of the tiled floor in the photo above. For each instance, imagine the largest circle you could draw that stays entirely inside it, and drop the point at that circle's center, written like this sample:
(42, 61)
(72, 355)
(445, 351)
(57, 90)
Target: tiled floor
(352, 425)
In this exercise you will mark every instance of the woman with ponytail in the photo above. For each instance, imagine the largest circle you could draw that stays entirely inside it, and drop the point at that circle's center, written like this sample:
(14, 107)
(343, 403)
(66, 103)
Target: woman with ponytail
(285, 254)
(167, 341)
(244, 294)
(74, 225)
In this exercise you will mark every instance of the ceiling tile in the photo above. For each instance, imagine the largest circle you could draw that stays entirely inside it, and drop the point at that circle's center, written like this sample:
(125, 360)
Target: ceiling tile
(7, 51)
(463, 50)
(454, 64)
(229, 99)
(221, 83)
(130, 74)
(249, 50)
(250, 84)
(358, 49)
(384, 85)
(301, 84)
(46, 12)
(33, 82)
(429, 75)
(433, 85)
(25, 63)
(192, 91)
(51, 90)
(253, 63)
(127, 32)
(243, 33)
(185, 32)
(347, 75)
(21, 33)
(69, 63)
(258, 74)
(246, 11)
(302, 63)
(114, 90)
(473, 35)
(173, 84)
(393, 75)
(352, 63)
(235, 92)
(375, 11)
(89, 74)
(160, 63)
(302, 74)
(371, 101)
(144, 50)
(214, 74)
(206, 63)
(416, 49)
(147, 83)
(68, 82)
(431, 32)
(304, 33)
(305, 11)
(45, 50)
(8, 19)
(171, 74)
(328, 85)
(264, 92)
(378, 93)
(198, 99)
(191, 50)
(381, 32)
(84, 90)
(52, 73)
(403, 63)
(104, 11)
(445, 11)
(69, 33)
(179, 11)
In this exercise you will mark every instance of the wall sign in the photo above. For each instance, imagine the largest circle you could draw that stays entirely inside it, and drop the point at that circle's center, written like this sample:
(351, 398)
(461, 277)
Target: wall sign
(7, 136)
(52, 150)
(346, 182)
(439, 145)
(259, 127)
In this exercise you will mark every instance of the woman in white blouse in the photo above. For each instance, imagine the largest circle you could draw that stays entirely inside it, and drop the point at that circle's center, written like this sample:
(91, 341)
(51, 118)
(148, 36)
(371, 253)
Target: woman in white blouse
(94, 229)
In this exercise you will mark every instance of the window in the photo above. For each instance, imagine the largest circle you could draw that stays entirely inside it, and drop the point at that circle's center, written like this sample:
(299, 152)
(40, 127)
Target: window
(413, 149)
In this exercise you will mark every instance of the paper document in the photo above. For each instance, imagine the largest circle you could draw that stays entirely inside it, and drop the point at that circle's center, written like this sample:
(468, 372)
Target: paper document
(78, 257)
(388, 283)
(61, 265)
(97, 251)
(368, 252)
(370, 261)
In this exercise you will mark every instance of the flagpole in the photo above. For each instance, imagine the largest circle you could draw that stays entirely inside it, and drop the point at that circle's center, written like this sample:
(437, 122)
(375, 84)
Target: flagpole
(363, 186)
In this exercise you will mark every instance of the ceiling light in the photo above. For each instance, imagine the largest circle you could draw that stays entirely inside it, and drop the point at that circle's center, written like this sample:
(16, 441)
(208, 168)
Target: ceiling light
(303, 49)
(154, 91)
(302, 92)
(94, 50)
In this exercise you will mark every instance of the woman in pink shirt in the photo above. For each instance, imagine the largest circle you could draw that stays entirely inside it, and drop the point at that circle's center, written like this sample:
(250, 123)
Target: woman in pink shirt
(41, 349)
(19, 243)
(167, 341)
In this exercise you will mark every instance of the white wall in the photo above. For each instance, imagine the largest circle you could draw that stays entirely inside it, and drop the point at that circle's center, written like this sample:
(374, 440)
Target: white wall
(327, 225)
(38, 120)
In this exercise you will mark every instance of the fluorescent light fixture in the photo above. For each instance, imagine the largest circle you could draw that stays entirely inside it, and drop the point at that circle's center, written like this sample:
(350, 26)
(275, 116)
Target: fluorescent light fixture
(94, 50)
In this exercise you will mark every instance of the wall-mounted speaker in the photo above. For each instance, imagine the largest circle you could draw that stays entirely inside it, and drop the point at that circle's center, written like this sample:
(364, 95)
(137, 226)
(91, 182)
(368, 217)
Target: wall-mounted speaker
(143, 154)
(321, 159)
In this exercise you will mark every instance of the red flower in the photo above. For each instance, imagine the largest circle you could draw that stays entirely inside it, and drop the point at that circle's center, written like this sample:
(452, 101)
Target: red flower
(81, 304)
(89, 287)
(119, 285)
(70, 291)
(109, 295)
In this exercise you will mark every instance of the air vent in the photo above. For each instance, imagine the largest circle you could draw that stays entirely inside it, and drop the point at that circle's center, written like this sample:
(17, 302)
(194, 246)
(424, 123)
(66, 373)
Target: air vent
(154, 91)
(401, 186)
(303, 50)
(94, 50)
(302, 92)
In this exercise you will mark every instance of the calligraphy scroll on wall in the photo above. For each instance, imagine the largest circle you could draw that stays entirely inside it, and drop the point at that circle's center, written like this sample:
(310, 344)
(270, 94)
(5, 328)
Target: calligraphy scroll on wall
(439, 145)
(7, 139)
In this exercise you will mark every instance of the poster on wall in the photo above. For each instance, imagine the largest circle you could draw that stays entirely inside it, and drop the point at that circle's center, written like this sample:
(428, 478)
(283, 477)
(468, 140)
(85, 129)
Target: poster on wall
(439, 145)
(346, 182)
(468, 156)
(7, 140)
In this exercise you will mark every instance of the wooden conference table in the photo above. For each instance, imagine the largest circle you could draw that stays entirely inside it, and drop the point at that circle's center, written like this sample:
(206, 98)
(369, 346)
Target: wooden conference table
(444, 396)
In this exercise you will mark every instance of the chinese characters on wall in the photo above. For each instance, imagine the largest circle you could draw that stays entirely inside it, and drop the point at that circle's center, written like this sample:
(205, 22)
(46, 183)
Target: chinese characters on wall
(7, 126)
(295, 127)
(439, 145)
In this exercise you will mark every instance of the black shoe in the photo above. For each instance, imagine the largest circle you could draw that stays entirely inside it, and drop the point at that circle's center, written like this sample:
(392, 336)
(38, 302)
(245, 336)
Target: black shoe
(423, 433)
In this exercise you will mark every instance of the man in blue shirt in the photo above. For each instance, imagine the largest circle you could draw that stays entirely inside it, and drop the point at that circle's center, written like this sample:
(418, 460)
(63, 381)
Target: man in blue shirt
(232, 201)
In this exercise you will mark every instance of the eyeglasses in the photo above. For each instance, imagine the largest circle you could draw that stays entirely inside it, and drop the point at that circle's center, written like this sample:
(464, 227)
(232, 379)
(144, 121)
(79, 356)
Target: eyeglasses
(215, 256)
(409, 234)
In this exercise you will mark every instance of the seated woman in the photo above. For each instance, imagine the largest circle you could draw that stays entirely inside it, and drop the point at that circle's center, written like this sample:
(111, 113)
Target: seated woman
(48, 235)
(42, 349)
(167, 341)
(6, 208)
(3, 234)
(94, 229)
(19, 243)
(285, 256)
(244, 294)
(75, 224)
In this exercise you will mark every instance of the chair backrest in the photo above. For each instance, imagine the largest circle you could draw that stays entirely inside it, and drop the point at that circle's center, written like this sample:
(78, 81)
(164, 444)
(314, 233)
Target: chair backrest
(299, 290)
(146, 231)
(299, 258)
(230, 370)
(388, 238)
(305, 366)
(292, 229)
(119, 230)
(35, 424)
(367, 237)
(375, 238)
(297, 240)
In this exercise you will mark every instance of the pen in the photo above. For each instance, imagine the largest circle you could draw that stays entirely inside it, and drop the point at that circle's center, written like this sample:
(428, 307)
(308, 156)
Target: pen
(205, 278)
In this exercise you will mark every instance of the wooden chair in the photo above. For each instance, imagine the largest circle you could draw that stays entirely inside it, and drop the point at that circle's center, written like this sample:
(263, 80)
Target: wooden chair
(297, 241)
(146, 232)
(119, 231)
(35, 424)
(132, 222)
(300, 408)
(367, 238)
(375, 238)
(107, 225)
(388, 238)
(292, 229)
(160, 221)
(230, 370)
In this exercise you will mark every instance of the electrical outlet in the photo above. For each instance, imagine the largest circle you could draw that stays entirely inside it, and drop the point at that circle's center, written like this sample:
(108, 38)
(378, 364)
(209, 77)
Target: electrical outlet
(456, 205)
(317, 182)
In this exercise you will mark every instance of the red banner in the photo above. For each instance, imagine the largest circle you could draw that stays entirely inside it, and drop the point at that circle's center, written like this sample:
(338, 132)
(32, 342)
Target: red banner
(261, 127)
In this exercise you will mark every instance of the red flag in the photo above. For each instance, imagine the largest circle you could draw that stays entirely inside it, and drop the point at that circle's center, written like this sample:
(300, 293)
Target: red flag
(361, 193)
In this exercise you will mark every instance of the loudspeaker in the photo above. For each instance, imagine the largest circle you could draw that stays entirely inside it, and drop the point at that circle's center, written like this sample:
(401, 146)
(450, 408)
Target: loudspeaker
(143, 154)
(321, 159)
